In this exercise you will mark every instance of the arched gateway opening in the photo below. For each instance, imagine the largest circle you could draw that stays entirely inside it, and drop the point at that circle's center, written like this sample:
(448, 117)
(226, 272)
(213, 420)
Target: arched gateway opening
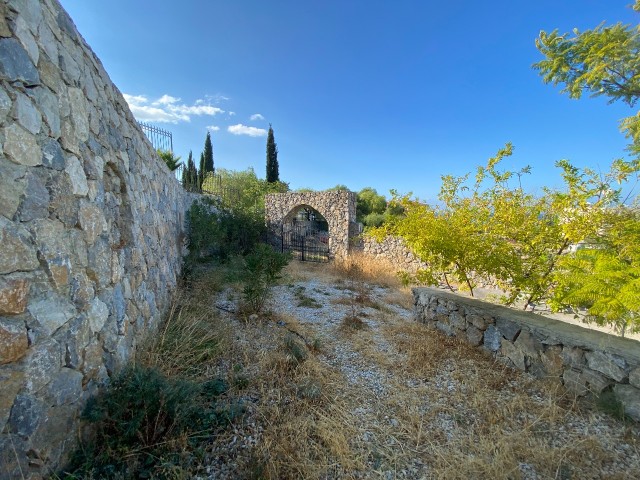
(314, 226)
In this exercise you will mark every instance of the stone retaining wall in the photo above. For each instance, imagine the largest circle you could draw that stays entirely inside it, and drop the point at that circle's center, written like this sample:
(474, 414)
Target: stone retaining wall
(392, 250)
(586, 361)
(91, 233)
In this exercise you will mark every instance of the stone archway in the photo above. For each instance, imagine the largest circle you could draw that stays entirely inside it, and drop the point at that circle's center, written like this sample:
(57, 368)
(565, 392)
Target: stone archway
(338, 207)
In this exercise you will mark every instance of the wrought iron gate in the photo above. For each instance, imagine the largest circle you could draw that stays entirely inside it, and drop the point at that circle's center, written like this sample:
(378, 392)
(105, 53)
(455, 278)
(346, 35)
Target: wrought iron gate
(305, 242)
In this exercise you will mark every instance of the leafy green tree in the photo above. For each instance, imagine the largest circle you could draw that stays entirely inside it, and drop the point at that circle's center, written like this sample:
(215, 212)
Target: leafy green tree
(487, 228)
(243, 190)
(368, 202)
(603, 61)
(236, 224)
(172, 162)
(603, 278)
(337, 187)
(273, 174)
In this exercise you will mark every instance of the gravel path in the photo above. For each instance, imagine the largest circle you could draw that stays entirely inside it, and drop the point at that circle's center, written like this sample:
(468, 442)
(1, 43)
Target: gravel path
(406, 421)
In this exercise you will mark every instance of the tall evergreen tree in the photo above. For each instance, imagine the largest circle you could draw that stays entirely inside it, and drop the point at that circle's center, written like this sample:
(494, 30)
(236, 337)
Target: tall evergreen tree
(208, 155)
(273, 174)
(201, 171)
(191, 180)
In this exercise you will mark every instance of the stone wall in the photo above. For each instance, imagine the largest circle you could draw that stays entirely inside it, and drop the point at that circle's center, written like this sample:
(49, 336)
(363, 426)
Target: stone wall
(586, 361)
(338, 207)
(91, 233)
(392, 250)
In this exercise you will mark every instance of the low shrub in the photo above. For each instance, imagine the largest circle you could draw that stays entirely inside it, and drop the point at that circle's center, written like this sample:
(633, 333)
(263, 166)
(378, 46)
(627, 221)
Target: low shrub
(144, 424)
(262, 269)
(216, 232)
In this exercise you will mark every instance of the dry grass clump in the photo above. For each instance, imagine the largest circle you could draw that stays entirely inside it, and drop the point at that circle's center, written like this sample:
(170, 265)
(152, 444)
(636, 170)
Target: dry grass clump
(188, 342)
(306, 426)
(486, 420)
(401, 298)
(304, 271)
(367, 268)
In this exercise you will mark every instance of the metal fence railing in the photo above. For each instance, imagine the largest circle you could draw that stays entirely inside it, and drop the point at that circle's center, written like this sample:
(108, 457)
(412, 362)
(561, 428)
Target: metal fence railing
(160, 138)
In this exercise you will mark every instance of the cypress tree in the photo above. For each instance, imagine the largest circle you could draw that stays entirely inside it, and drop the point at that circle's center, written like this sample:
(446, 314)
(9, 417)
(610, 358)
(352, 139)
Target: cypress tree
(185, 175)
(192, 173)
(273, 175)
(201, 171)
(208, 154)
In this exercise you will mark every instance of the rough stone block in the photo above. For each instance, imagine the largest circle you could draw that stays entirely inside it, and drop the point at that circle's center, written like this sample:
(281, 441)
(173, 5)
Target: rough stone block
(634, 377)
(66, 387)
(492, 338)
(575, 382)
(99, 259)
(457, 321)
(74, 169)
(596, 382)
(59, 271)
(21, 146)
(604, 363)
(42, 362)
(573, 357)
(12, 187)
(52, 440)
(629, 396)
(529, 344)
(17, 252)
(508, 329)
(477, 321)
(97, 315)
(15, 63)
(13, 340)
(515, 354)
(446, 328)
(12, 381)
(36, 203)
(474, 335)
(27, 114)
(552, 361)
(26, 416)
(92, 221)
(13, 295)
(52, 155)
(51, 313)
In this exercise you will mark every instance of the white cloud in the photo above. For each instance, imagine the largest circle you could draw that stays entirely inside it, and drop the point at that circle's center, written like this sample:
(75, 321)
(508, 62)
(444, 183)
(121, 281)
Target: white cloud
(166, 100)
(213, 128)
(231, 114)
(256, 116)
(168, 109)
(135, 99)
(241, 129)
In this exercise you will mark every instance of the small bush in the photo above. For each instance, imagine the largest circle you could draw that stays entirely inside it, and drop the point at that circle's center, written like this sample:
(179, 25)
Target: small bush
(353, 322)
(144, 420)
(216, 232)
(262, 269)
(295, 350)
(304, 300)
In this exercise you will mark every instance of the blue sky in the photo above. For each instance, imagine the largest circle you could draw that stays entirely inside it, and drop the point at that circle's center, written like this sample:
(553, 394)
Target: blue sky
(362, 93)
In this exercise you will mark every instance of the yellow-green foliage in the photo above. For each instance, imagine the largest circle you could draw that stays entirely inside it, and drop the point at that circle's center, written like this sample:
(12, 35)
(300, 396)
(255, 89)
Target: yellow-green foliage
(486, 228)
(604, 277)
(241, 190)
(603, 61)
